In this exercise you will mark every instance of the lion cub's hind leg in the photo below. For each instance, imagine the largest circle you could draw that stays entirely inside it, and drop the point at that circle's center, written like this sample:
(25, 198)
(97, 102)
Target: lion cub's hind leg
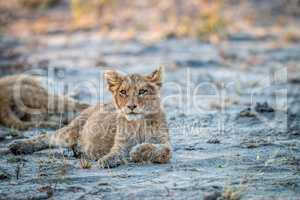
(65, 137)
(28, 146)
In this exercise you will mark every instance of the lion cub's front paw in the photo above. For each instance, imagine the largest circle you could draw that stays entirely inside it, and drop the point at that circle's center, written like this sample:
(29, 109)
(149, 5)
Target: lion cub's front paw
(163, 156)
(155, 153)
(142, 153)
(109, 161)
(21, 147)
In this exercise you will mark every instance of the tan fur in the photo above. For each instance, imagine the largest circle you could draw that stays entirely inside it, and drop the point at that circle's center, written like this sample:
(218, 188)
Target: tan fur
(25, 103)
(113, 133)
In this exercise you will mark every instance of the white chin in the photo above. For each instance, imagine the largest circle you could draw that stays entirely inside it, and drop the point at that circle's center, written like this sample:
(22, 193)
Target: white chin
(133, 117)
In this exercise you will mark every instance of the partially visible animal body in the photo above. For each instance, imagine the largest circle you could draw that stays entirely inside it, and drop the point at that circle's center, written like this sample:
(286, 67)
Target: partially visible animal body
(25, 103)
(133, 127)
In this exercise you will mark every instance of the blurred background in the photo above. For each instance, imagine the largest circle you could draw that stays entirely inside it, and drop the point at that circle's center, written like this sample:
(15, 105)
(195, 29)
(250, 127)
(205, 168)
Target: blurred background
(209, 21)
(139, 35)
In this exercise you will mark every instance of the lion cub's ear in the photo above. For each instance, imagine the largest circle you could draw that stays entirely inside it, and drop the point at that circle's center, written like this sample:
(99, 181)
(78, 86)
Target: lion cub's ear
(114, 79)
(156, 76)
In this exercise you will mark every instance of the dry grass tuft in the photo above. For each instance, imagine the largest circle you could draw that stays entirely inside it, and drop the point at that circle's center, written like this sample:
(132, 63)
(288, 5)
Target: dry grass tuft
(85, 164)
(231, 193)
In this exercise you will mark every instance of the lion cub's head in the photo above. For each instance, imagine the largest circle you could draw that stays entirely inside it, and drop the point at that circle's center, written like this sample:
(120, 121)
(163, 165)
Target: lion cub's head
(135, 96)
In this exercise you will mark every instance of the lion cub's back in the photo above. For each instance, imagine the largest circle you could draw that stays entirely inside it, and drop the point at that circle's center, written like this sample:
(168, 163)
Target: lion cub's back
(97, 136)
(24, 87)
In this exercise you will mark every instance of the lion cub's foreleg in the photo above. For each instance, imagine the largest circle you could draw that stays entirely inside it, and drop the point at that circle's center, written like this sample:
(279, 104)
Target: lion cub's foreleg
(157, 150)
(148, 152)
(145, 152)
(117, 155)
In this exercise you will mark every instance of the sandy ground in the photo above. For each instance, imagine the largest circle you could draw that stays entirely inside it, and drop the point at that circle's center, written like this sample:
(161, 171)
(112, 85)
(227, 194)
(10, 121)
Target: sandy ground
(232, 109)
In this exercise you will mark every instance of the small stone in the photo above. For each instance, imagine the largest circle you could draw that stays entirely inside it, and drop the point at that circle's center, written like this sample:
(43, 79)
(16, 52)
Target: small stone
(263, 107)
(213, 141)
(3, 134)
(182, 115)
(212, 196)
(4, 175)
(247, 113)
(172, 118)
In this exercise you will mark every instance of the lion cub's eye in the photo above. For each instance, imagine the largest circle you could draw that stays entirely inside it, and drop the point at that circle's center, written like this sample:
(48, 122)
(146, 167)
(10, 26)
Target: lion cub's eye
(123, 93)
(143, 92)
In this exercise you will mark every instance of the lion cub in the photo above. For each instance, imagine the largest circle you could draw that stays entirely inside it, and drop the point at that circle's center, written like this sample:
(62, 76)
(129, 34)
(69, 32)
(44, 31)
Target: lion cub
(132, 127)
(24, 103)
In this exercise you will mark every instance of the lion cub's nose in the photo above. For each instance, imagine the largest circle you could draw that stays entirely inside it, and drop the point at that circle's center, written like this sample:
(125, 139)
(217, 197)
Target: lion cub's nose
(132, 106)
